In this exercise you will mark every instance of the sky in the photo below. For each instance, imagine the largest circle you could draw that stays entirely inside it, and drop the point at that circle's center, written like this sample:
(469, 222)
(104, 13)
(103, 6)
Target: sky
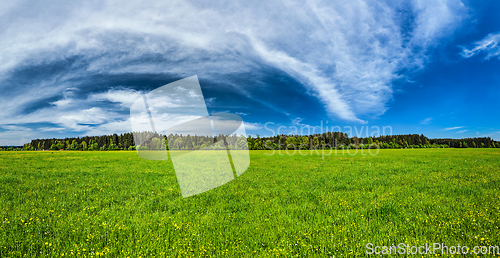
(72, 69)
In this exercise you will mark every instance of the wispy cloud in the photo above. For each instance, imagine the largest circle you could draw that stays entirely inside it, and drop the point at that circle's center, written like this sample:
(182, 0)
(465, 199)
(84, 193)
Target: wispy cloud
(51, 129)
(489, 45)
(15, 128)
(453, 128)
(462, 131)
(297, 121)
(15, 135)
(252, 126)
(426, 121)
(125, 97)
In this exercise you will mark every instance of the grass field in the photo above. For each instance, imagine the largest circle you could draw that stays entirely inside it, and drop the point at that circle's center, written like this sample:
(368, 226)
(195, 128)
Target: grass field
(91, 204)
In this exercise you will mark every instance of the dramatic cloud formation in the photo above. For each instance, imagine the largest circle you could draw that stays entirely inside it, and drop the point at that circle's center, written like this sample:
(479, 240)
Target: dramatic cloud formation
(347, 54)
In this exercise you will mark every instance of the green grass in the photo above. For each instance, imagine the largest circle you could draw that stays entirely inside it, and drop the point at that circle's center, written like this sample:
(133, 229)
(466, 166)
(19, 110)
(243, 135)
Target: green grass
(116, 204)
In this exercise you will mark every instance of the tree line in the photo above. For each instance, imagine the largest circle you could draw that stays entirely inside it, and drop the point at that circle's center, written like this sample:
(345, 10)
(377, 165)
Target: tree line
(341, 140)
(103, 142)
(338, 140)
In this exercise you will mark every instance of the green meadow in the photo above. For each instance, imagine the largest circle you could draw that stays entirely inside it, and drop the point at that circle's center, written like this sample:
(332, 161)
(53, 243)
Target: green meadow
(115, 204)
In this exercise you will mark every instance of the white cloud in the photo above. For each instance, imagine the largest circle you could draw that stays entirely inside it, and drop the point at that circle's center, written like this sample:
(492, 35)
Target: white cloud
(296, 121)
(426, 121)
(252, 126)
(462, 131)
(61, 102)
(15, 135)
(15, 128)
(123, 96)
(116, 126)
(51, 129)
(14, 138)
(453, 128)
(83, 119)
(435, 19)
(490, 45)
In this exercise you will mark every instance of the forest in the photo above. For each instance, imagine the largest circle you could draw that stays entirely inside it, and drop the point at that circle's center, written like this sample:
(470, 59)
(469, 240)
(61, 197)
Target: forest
(338, 140)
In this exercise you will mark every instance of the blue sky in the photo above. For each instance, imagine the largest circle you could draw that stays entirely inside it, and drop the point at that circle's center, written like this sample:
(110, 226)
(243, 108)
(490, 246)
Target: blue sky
(426, 67)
